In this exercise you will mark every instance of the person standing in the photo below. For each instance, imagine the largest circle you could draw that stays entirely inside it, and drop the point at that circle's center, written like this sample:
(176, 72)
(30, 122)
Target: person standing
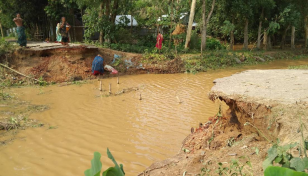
(22, 38)
(59, 38)
(64, 28)
(159, 41)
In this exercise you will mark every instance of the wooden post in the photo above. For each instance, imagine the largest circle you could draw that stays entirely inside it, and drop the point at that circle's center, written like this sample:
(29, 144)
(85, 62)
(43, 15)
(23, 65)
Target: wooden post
(140, 98)
(100, 86)
(118, 82)
(109, 88)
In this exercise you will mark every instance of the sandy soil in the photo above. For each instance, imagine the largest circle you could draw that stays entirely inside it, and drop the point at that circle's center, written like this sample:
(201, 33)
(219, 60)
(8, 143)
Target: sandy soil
(283, 86)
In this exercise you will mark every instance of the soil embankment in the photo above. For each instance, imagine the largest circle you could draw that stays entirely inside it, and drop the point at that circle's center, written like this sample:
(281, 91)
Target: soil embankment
(53, 62)
(263, 105)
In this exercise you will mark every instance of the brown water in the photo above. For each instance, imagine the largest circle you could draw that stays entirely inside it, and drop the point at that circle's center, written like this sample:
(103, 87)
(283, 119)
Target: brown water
(138, 133)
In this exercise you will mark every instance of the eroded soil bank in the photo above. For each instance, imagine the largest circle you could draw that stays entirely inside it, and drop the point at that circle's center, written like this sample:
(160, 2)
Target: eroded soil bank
(54, 63)
(263, 105)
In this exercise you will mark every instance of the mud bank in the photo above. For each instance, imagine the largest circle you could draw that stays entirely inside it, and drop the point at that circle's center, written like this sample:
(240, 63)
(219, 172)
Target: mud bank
(56, 63)
(264, 105)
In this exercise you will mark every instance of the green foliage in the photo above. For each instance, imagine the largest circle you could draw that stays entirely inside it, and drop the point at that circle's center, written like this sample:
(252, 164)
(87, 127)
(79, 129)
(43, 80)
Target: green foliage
(5, 47)
(96, 166)
(281, 171)
(124, 36)
(195, 41)
(42, 82)
(214, 44)
(227, 28)
(55, 10)
(235, 168)
(281, 155)
(4, 95)
(299, 164)
(117, 170)
(130, 48)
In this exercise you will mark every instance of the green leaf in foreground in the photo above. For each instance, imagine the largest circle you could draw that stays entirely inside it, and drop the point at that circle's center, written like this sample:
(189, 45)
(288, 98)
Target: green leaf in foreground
(282, 171)
(96, 166)
(118, 170)
(112, 171)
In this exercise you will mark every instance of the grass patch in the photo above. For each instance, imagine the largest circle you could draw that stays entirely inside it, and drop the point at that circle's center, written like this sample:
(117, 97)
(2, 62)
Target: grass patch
(18, 122)
(299, 67)
(14, 114)
(212, 60)
(52, 127)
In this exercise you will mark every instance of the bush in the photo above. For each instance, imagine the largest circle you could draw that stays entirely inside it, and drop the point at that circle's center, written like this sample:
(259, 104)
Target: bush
(147, 41)
(5, 47)
(195, 41)
(124, 36)
(12, 34)
(214, 44)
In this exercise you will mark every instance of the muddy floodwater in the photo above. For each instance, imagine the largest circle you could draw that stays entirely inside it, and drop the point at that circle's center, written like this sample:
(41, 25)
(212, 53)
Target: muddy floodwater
(138, 132)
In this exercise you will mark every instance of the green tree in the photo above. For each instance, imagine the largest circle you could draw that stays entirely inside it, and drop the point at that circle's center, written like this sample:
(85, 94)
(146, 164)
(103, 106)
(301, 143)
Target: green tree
(264, 6)
(205, 21)
(191, 20)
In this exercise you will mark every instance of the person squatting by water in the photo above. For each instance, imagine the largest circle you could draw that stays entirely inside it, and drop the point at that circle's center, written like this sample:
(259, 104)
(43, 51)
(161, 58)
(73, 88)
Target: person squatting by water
(22, 38)
(159, 41)
(64, 28)
(98, 65)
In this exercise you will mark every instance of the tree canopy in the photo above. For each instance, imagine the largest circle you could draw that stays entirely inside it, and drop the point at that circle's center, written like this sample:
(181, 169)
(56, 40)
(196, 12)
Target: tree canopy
(236, 21)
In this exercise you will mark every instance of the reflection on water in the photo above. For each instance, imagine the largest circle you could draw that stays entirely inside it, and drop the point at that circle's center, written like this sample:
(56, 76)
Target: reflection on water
(138, 132)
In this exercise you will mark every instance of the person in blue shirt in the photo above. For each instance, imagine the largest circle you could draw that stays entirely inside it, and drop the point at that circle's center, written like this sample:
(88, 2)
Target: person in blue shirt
(98, 65)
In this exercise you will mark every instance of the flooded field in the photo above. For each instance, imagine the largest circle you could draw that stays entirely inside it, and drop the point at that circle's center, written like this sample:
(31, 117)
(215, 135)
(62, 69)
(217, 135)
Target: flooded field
(82, 119)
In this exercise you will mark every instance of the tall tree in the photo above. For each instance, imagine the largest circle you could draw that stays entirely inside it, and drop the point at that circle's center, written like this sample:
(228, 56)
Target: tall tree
(244, 12)
(302, 5)
(264, 6)
(205, 21)
(191, 20)
(288, 17)
(293, 38)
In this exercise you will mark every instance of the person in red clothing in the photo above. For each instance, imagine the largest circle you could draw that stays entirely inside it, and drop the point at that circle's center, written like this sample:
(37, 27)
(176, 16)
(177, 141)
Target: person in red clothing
(159, 41)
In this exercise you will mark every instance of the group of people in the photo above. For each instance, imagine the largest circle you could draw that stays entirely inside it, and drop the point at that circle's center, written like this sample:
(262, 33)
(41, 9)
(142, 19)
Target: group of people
(61, 30)
(98, 64)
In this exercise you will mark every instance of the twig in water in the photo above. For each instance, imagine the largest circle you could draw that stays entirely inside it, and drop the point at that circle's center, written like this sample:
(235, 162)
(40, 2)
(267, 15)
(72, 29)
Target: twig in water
(179, 100)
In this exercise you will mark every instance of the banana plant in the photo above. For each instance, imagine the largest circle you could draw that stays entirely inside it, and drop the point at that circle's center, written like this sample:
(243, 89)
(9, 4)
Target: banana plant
(96, 166)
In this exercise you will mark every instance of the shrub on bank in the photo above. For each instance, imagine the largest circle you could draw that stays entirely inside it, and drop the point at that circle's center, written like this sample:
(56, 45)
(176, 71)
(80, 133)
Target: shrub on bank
(5, 47)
